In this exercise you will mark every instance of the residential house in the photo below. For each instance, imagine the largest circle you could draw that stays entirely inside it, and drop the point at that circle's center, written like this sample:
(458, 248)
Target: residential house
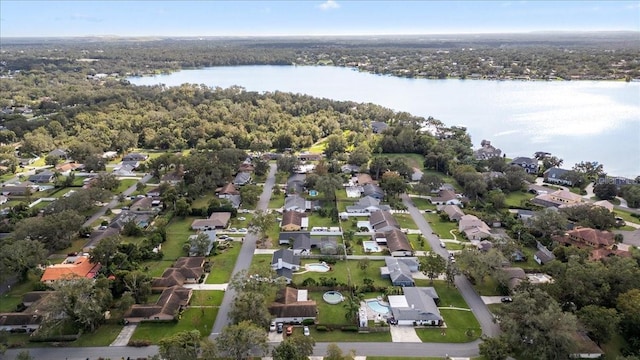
(285, 262)
(135, 156)
(242, 178)
(397, 243)
(378, 127)
(292, 306)
(473, 228)
(289, 238)
(227, 190)
(543, 255)
(66, 168)
(217, 220)
(186, 270)
(416, 175)
(585, 348)
(514, 276)
(3, 199)
(418, 306)
(556, 176)
(618, 181)
(399, 270)
(373, 191)
(124, 170)
(605, 204)
(297, 203)
(363, 179)
(173, 177)
(525, 215)
(453, 211)
(73, 266)
(29, 319)
(59, 153)
(294, 221)
(559, 198)
(446, 197)
(140, 216)
(42, 177)
(485, 245)
(168, 307)
(367, 205)
(246, 166)
(382, 221)
(349, 169)
(295, 184)
(601, 243)
(486, 151)
(211, 236)
(309, 157)
(530, 165)
(18, 189)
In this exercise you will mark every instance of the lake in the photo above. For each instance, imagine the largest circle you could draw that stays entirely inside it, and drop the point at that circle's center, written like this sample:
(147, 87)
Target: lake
(574, 120)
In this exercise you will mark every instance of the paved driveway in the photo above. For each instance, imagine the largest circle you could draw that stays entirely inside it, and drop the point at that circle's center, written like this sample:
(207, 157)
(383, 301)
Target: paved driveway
(404, 334)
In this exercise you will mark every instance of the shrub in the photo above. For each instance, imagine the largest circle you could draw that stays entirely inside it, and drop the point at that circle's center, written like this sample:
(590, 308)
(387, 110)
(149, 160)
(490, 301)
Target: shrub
(350, 328)
(321, 328)
(139, 343)
(308, 322)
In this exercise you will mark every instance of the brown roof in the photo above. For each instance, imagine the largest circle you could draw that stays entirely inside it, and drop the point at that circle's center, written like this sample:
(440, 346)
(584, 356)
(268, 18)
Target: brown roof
(381, 218)
(80, 267)
(593, 237)
(292, 217)
(286, 305)
(228, 189)
(184, 268)
(397, 241)
(14, 319)
(220, 219)
(444, 195)
(34, 296)
(190, 261)
(170, 301)
(364, 179)
(67, 166)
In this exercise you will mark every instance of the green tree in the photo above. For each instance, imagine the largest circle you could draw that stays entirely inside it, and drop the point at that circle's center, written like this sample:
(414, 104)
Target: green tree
(24, 355)
(629, 309)
(335, 353)
(184, 345)
(352, 306)
(106, 181)
(182, 207)
(328, 185)
(238, 341)
(294, 347)
(548, 223)
(288, 163)
(138, 284)
(249, 195)
(393, 184)
(250, 306)
(104, 251)
(432, 265)
(605, 191)
(600, 322)
(336, 144)
(261, 223)
(200, 244)
(631, 193)
(363, 264)
(22, 256)
(360, 155)
(494, 348)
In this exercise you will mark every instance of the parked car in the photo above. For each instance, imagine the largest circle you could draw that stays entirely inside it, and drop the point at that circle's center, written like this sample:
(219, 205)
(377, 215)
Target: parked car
(279, 327)
(506, 299)
(442, 244)
(272, 326)
(289, 330)
(306, 331)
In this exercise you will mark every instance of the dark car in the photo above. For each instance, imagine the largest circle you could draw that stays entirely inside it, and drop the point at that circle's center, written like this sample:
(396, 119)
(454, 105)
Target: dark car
(506, 299)
(279, 327)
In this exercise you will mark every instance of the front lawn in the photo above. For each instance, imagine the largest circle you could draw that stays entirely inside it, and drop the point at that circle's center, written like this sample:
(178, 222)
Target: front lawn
(206, 298)
(341, 269)
(276, 201)
(201, 319)
(405, 221)
(514, 199)
(449, 295)
(222, 264)
(178, 232)
(419, 245)
(423, 204)
(124, 184)
(103, 336)
(441, 228)
(338, 336)
(462, 327)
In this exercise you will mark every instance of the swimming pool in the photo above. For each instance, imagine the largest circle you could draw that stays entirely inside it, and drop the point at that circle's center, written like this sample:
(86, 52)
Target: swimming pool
(371, 246)
(333, 297)
(313, 192)
(317, 267)
(376, 306)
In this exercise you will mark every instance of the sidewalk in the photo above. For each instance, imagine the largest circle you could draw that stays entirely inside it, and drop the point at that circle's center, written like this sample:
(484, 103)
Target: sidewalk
(222, 287)
(125, 334)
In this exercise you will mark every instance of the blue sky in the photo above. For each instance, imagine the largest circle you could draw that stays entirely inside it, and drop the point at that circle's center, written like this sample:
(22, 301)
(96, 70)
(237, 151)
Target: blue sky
(329, 17)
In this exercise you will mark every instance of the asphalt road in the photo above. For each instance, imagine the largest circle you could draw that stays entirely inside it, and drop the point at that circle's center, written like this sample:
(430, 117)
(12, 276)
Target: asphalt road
(244, 258)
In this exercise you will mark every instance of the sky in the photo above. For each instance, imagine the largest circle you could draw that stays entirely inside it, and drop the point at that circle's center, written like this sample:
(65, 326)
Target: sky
(329, 17)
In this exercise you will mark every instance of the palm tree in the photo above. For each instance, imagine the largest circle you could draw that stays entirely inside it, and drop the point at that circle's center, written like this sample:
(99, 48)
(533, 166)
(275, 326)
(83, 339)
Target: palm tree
(352, 306)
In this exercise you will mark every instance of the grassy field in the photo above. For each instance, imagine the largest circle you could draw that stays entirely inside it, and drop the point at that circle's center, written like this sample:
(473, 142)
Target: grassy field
(405, 221)
(202, 201)
(276, 201)
(423, 204)
(260, 262)
(342, 269)
(514, 199)
(178, 232)
(413, 239)
(413, 160)
(201, 319)
(462, 327)
(441, 228)
(317, 220)
(125, 184)
(206, 298)
(103, 336)
(222, 265)
(626, 216)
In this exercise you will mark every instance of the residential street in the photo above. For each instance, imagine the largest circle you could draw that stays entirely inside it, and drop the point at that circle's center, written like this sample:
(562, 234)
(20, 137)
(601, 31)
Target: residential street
(244, 258)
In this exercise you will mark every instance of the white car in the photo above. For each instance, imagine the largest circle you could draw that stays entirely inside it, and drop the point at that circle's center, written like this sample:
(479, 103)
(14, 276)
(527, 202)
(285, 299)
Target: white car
(306, 331)
(272, 326)
(242, 218)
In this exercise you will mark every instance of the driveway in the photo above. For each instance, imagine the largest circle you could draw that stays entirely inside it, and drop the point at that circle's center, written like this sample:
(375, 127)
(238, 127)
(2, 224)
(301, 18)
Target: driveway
(492, 299)
(404, 334)
(125, 334)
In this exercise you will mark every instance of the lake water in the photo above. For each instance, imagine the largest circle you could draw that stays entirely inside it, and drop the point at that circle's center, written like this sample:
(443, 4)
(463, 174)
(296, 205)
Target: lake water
(574, 120)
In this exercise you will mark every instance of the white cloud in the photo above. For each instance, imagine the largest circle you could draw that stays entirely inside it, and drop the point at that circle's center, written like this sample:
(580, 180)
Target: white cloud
(329, 5)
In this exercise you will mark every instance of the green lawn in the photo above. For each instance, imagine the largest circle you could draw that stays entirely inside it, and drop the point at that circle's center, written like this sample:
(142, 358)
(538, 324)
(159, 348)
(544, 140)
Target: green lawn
(413, 239)
(405, 221)
(202, 201)
(441, 228)
(206, 298)
(178, 232)
(327, 313)
(238, 224)
(337, 336)
(222, 264)
(317, 220)
(514, 199)
(260, 262)
(103, 336)
(413, 160)
(402, 358)
(341, 269)
(276, 201)
(449, 295)
(318, 147)
(125, 184)
(10, 301)
(489, 287)
(462, 326)
(626, 216)
(201, 319)
(423, 204)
